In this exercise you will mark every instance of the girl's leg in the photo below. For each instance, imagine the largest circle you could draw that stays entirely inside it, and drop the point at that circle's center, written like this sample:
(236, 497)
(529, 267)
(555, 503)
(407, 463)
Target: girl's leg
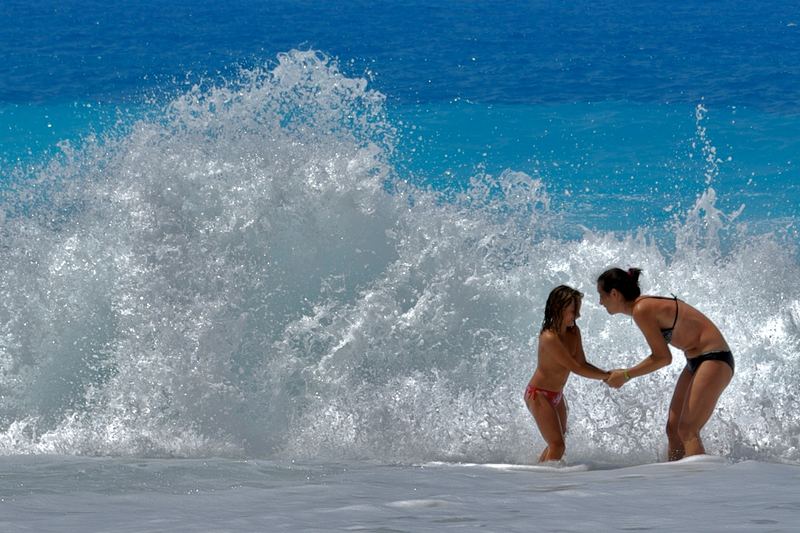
(562, 409)
(549, 424)
(543, 455)
(710, 379)
(676, 450)
(529, 402)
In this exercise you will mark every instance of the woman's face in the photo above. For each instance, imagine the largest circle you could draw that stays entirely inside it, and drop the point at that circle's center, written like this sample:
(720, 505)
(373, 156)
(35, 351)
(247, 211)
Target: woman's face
(607, 300)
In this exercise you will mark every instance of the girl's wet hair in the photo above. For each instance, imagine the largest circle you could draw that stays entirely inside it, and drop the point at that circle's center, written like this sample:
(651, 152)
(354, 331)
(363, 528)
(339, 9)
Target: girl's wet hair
(558, 300)
(625, 281)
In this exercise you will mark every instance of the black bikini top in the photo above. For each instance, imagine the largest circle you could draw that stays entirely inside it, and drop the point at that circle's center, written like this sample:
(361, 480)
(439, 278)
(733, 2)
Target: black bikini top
(667, 332)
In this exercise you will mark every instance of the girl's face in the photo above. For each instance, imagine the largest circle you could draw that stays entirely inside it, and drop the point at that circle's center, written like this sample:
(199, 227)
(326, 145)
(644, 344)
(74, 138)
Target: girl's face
(571, 313)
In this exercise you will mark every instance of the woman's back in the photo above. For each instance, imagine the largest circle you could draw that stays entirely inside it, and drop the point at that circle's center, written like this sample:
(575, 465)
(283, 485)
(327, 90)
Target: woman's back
(689, 329)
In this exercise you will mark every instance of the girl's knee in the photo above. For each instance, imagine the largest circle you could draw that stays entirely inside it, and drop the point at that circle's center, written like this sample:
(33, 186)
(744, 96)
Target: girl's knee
(557, 447)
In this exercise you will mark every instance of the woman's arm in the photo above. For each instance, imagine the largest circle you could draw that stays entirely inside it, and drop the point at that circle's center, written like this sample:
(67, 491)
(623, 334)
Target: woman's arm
(550, 342)
(660, 355)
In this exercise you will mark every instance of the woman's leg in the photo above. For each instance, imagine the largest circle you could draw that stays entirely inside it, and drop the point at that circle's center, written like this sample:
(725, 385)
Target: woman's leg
(549, 424)
(710, 379)
(676, 450)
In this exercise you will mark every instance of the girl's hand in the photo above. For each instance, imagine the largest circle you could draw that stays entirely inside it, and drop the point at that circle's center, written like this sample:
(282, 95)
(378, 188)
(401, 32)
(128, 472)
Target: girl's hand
(617, 378)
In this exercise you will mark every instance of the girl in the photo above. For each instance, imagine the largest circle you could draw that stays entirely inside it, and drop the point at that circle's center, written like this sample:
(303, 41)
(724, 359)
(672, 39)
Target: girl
(560, 352)
(663, 321)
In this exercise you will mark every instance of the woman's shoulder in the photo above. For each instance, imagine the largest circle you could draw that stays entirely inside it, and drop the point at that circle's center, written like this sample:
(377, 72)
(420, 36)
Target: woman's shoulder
(645, 306)
(648, 308)
(649, 301)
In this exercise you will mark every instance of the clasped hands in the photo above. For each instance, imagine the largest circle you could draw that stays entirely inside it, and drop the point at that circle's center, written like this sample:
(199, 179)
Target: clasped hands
(617, 378)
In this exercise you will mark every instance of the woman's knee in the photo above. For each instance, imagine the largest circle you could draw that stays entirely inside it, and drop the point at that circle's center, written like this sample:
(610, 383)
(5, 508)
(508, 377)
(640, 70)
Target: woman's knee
(687, 431)
(673, 424)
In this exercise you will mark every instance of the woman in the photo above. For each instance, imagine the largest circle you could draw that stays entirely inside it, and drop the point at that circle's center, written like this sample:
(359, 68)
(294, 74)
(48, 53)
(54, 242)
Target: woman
(560, 352)
(709, 362)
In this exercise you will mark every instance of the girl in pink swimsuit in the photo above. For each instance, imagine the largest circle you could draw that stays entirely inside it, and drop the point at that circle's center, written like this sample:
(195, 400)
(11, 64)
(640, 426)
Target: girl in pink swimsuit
(560, 353)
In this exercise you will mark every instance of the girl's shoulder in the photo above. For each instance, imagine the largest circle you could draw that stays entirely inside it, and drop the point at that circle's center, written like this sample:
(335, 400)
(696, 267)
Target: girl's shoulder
(548, 336)
(572, 335)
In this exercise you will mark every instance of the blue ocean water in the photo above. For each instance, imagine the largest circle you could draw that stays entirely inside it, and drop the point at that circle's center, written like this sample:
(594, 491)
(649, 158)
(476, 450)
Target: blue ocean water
(327, 230)
(608, 92)
(728, 53)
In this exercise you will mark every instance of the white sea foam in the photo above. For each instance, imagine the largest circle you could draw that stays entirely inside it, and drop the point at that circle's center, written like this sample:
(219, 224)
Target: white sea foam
(247, 275)
(62, 494)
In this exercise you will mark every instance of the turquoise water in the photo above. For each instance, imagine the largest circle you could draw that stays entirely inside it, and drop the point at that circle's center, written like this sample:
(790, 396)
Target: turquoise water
(649, 160)
(590, 155)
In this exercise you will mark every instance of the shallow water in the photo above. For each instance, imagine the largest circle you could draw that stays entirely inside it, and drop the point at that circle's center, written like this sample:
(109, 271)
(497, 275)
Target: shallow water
(85, 494)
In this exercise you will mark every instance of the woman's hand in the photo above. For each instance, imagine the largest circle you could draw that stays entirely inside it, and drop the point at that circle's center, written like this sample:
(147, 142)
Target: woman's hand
(617, 378)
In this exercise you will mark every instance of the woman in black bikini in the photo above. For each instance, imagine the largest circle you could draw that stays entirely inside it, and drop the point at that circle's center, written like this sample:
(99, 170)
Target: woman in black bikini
(663, 321)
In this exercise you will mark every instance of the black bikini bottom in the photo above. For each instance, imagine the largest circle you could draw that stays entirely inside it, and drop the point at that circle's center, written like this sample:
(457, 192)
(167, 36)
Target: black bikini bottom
(695, 362)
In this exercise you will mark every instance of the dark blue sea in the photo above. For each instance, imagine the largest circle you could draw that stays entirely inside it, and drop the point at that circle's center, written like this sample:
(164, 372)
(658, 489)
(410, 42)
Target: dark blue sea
(326, 230)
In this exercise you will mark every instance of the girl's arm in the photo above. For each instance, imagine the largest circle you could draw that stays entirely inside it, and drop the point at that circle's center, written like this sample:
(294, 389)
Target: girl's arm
(549, 342)
(580, 355)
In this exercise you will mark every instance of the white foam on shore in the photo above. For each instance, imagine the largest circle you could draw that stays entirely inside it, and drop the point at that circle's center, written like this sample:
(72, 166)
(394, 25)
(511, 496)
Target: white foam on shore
(66, 495)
